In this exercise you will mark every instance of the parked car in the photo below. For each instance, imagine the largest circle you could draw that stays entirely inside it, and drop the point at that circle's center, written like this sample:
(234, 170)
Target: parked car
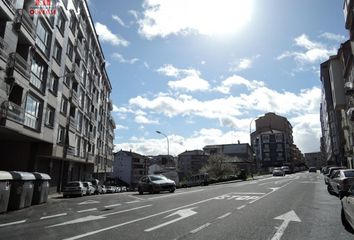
(312, 169)
(278, 172)
(124, 188)
(155, 184)
(74, 188)
(102, 189)
(286, 169)
(90, 189)
(330, 173)
(110, 189)
(341, 181)
(347, 202)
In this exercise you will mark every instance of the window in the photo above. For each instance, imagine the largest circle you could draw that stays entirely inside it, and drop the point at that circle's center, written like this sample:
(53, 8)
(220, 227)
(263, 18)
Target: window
(265, 138)
(44, 37)
(70, 50)
(279, 137)
(61, 22)
(39, 73)
(57, 52)
(61, 134)
(64, 105)
(32, 112)
(53, 83)
(72, 24)
(50, 116)
(77, 143)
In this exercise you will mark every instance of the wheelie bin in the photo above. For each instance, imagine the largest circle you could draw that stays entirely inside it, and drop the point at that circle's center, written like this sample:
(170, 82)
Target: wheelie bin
(21, 190)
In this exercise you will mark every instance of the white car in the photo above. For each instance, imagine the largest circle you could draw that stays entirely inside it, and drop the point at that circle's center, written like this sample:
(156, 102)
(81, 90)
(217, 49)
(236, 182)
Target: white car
(348, 209)
(90, 188)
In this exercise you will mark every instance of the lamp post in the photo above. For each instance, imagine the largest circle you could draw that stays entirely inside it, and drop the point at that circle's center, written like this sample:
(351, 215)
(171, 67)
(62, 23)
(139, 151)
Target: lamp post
(168, 143)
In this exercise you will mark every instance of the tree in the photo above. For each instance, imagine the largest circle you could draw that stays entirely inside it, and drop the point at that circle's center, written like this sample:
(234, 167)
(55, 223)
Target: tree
(219, 166)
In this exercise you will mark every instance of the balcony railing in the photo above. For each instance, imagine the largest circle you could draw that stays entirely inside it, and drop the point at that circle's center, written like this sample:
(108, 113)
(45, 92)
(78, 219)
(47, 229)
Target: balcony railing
(3, 49)
(12, 111)
(17, 61)
(76, 70)
(22, 17)
(90, 158)
(72, 123)
(79, 47)
(74, 97)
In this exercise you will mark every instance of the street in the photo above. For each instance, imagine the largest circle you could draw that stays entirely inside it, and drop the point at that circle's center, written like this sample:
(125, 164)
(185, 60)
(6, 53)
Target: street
(296, 206)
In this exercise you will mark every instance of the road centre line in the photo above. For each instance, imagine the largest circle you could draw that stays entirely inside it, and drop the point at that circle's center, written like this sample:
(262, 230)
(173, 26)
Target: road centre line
(248, 193)
(276, 189)
(200, 228)
(136, 201)
(225, 215)
(240, 207)
(87, 210)
(174, 194)
(12, 223)
(137, 220)
(53, 216)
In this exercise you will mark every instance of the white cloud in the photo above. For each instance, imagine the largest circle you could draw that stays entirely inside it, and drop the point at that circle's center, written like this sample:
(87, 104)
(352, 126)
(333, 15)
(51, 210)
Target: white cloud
(141, 119)
(242, 64)
(119, 21)
(190, 78)
(121, 127)
(179, 144)
(105, 35)
(134, 13)
(234, 80)
(333, 37)
(121, 59)
(208, 17)
(312, 53)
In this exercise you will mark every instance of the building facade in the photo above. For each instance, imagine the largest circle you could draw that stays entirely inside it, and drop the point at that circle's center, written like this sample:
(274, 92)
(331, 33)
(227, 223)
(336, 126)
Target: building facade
(272, 142)
(55, 107)
(314, 159)
(129, 167)
(191, 162)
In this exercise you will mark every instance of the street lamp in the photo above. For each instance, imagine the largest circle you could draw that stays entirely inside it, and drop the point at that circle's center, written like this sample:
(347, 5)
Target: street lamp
(168, 143)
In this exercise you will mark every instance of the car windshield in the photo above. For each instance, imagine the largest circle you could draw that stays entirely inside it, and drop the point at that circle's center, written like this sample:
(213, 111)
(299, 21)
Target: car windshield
(349, 174)
(157, 178)
(219, 117)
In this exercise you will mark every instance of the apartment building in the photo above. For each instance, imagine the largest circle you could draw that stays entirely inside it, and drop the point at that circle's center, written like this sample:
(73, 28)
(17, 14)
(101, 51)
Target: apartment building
(55, 107)
(314, 159)
(191, 162)
(273, 144)
(129, 167)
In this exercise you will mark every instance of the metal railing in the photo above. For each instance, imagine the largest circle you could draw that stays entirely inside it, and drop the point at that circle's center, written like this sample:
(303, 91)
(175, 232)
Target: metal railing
(72, 123)
(79, 47)
(22, 17)
(10, 4)
(3, 48)
(76, 70)
(17, 61)
(12, 111)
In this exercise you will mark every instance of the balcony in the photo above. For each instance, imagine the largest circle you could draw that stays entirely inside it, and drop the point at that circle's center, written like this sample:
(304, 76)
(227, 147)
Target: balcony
(71, 151)
(74, 97)
(72, 123)
(91, 135)
(82, 25)
(24, 19)
(19, 63)
(12, 111)
(90, 158)
(76, 71)
(110, 104)
(80, 48)
(3, 49)
(7, 9)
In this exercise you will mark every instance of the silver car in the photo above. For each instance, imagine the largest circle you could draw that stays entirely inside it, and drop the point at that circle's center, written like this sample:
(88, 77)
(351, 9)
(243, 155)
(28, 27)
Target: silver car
(341, 181)
(74, 188)
(348, 209)
(155, 184)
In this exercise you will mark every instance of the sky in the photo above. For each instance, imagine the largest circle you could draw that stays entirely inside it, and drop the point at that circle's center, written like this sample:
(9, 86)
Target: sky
(201, 71)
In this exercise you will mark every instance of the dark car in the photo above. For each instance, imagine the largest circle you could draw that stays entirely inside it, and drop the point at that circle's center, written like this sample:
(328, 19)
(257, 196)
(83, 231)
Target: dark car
(312, 169)
(156, 184)
(341, 181)
(330, 173)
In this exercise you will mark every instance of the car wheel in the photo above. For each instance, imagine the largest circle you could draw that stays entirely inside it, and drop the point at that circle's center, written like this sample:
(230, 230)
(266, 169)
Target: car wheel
(345, 222)
(140, 191)
(329, 189)
(172, 190)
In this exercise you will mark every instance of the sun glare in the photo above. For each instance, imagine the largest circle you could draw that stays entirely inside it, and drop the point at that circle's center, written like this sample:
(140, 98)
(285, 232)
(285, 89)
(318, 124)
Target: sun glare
(215, 17)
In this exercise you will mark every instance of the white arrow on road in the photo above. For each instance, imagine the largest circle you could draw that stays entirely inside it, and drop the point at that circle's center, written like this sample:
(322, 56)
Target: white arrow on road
(183, 213)
(88, 202)
(287, 217)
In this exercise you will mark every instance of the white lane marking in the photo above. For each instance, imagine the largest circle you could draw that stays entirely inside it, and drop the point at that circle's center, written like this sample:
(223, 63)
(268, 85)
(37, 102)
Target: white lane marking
(12, 223)
(87, 210)
(136, 201)
(183, 213)
(287, 217)
(136, 197)
(92, 218)
(126, 210)
(309, 182)
(137, 220)
(200, 228)
(88, 202)
(112, 205)
(225, 215)
(273, 190)
(53, 216)
(240, 207)
(174, 194)
(249, 193)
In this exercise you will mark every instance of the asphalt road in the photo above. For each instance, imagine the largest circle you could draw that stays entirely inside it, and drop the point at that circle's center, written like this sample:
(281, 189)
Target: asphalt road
(296, 206)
